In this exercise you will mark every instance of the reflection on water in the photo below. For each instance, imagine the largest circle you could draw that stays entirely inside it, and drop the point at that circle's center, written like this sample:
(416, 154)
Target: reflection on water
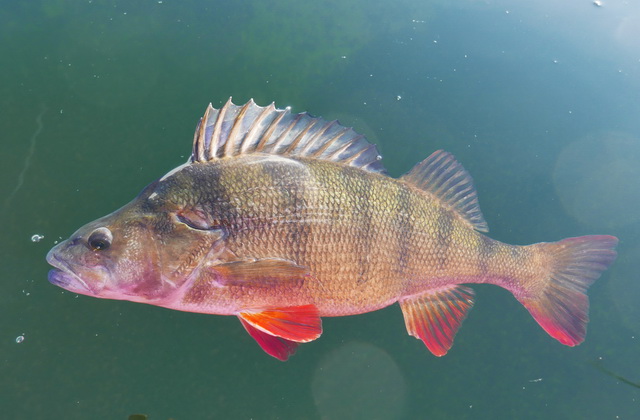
(358, 381)
(625, 288)
(597, 179)
(538, 100)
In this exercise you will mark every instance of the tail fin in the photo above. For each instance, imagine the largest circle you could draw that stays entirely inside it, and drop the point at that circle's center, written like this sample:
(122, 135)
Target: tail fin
(562, 307)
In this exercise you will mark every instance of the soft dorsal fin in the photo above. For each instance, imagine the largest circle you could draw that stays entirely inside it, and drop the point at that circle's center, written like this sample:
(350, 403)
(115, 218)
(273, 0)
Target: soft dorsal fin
(444, 177)
(236, 130)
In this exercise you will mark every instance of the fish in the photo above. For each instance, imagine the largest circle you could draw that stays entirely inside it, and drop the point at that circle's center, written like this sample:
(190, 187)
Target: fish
(281, 219)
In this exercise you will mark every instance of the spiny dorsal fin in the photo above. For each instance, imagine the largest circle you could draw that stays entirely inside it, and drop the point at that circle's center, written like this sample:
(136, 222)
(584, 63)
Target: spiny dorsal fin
(237, 130)
(444, 177)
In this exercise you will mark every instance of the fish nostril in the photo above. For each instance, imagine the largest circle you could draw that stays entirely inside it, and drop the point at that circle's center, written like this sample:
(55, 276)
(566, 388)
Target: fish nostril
(75, 240)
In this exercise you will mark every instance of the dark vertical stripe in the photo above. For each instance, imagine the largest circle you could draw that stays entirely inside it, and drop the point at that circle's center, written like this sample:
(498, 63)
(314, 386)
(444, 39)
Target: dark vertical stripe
(404, 229)
(488, 247)
(362, 213)
(224, 189)
(290, 209)
(214, 193)
(443, 232)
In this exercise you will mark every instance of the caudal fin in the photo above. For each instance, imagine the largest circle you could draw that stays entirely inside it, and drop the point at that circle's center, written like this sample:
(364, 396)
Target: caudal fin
(562, 307)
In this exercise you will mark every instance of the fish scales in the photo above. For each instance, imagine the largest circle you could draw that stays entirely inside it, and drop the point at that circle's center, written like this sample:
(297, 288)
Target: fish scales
(310, 217)
(281, 219)
(326, 216)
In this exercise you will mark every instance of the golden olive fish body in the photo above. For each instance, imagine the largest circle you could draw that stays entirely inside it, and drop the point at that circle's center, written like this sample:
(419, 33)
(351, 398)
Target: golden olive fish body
(283, 218)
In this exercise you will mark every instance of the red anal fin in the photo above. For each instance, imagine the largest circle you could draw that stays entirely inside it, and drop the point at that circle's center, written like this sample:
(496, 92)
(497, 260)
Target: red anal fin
(277, 347)
(296, 323)
(434, 317)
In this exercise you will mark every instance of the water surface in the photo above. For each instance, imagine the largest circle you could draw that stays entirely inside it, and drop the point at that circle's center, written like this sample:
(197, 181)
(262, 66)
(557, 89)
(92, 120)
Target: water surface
(539, 101)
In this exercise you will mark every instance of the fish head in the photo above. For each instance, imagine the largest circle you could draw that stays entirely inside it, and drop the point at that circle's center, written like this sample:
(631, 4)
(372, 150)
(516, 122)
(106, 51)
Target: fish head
(141, 253)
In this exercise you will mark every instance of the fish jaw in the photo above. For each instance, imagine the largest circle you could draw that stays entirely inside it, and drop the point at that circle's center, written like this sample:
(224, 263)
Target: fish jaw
(68, 281)
(62, 275)
(94, 281)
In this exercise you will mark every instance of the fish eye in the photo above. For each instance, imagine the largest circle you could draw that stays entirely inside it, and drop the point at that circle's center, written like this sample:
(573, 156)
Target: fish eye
(100, 239)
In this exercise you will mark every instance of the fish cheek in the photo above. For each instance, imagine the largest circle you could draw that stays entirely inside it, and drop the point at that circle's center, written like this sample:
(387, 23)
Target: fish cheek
(146, 280)
(133, 262)
(186, 250)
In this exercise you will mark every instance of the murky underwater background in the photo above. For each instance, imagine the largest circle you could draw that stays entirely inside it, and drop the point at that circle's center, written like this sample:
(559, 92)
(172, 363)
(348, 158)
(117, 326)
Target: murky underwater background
(539, 100)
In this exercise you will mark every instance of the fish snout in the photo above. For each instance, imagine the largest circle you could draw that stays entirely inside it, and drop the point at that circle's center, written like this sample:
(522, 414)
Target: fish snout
(62, 275)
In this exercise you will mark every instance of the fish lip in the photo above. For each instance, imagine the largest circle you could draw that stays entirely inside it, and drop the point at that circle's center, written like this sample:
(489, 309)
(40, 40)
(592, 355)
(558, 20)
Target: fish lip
(63, 276)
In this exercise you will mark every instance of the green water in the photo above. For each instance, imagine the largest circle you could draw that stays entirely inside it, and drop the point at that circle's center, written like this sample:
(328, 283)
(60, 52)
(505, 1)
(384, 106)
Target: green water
(539, 101)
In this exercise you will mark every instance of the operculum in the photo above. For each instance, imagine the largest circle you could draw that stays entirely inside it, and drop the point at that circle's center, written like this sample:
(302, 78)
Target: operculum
(186, 248)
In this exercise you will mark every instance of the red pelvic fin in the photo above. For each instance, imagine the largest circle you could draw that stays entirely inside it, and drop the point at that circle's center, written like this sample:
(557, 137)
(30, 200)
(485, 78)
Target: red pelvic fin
(277, 347)
(296, 323)
(435, 316)
(562, 307)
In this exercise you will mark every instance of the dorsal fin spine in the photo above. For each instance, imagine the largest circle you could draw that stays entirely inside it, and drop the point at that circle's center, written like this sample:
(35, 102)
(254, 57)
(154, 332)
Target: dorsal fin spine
(216, 130)
(272, 127)
(235, 130)
(299, 137)
(328, 144)
(327, 153)
(199, 152)
(248, 144)
(369, 148)
(321, 132)
(337, 152)
(277, 144)
(358, 154)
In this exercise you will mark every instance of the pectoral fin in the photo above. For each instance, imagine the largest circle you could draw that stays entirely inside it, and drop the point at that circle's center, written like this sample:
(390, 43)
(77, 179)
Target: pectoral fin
(434, 317)
(261, 273)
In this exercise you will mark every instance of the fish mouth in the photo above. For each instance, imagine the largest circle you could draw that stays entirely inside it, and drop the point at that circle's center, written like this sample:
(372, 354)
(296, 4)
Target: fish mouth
(63, 276)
